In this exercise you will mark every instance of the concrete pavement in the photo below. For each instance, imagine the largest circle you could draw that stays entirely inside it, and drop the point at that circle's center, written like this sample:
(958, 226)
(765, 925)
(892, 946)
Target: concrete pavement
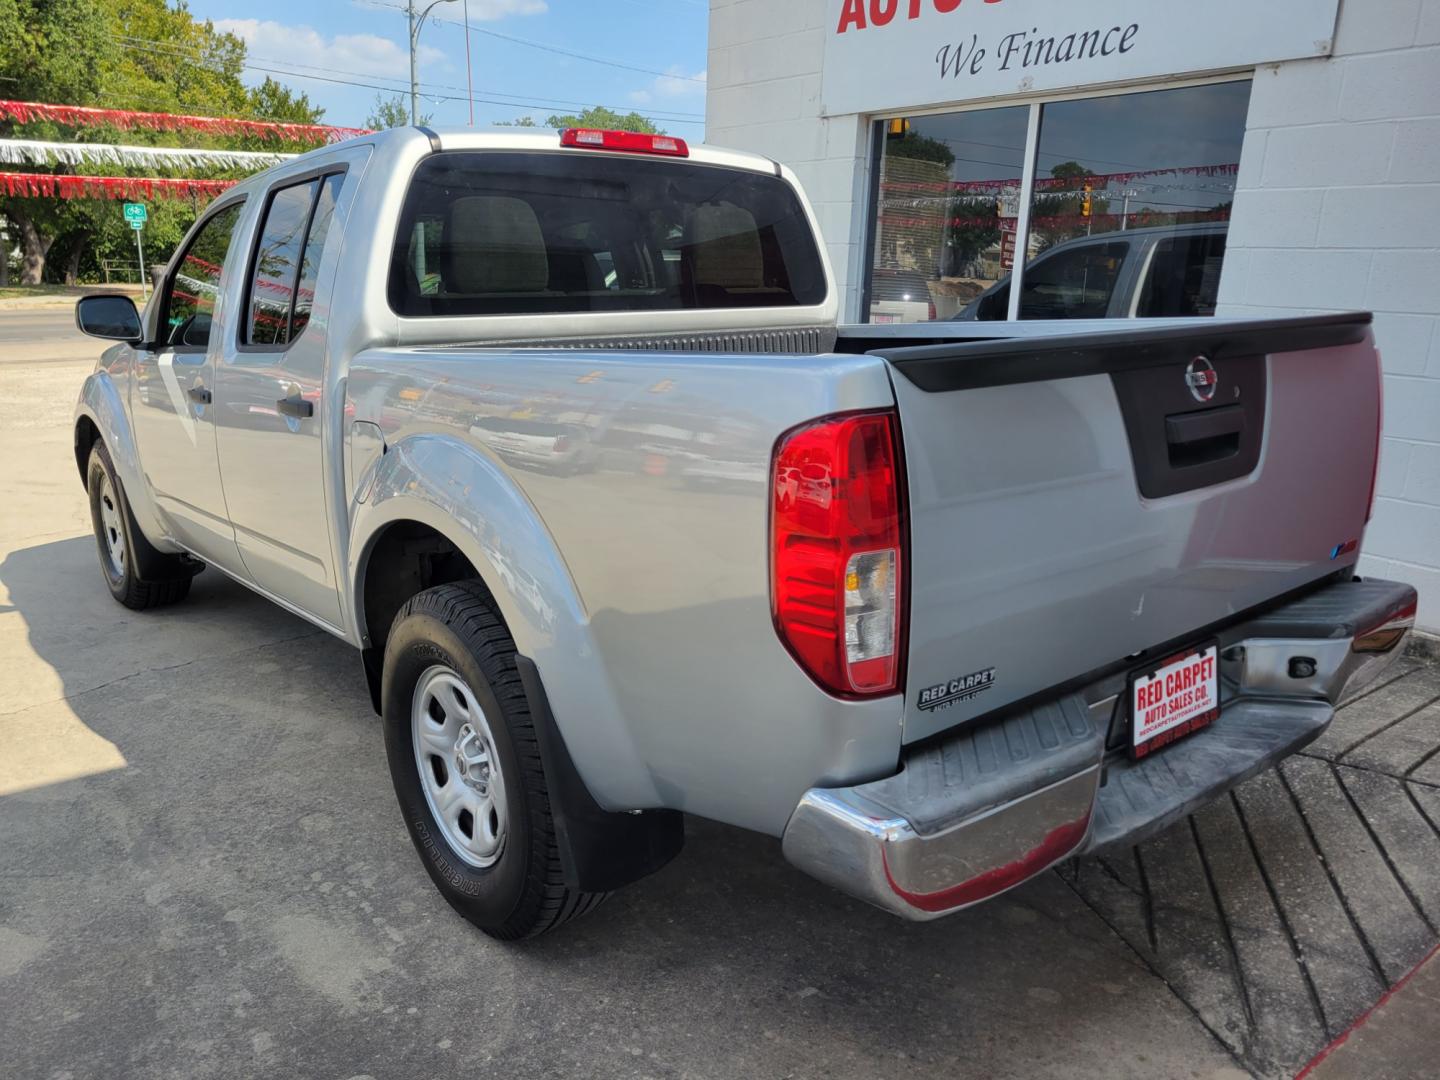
(1394, 1042)
(203, 874)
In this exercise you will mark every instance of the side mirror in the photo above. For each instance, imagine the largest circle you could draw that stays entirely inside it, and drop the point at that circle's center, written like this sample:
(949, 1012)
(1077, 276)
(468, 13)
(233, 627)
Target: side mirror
(111, 317)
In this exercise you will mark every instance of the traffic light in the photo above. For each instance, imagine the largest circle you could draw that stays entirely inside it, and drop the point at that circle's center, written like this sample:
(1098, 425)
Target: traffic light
(897, 128)
(1088, 204)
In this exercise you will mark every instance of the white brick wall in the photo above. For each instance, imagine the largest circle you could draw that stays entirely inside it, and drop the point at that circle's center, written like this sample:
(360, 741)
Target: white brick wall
(764, 96)
(1338, 206)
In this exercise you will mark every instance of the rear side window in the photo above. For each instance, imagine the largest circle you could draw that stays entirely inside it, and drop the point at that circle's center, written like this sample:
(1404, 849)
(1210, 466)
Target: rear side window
(499, 233)
(1184, 278)
(287, 260)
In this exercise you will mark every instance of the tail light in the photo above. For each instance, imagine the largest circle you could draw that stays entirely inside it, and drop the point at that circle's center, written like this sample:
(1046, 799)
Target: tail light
(629, 142)
(838, 555)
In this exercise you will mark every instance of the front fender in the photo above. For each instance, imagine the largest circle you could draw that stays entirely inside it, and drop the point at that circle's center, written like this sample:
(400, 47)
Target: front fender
(449, 486)
(102, 403)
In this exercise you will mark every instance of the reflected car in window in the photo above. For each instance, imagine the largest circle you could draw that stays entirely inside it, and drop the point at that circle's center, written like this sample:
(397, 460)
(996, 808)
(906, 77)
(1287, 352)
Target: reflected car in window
(1168, 272)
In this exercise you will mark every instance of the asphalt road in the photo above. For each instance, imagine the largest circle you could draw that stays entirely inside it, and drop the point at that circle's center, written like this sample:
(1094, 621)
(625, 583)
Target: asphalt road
(203, 874)
(43, 335)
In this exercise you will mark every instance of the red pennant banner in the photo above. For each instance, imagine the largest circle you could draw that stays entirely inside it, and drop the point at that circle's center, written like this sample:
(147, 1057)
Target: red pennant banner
(1049, 183)
(134, 188)
(25, 112)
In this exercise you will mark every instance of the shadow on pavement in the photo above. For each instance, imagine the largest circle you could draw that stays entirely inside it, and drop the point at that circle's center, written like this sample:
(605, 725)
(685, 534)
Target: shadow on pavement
(241, 899)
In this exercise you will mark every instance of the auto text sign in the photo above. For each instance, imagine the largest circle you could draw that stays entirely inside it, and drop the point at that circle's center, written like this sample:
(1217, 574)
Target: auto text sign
(901, 55)
(135, 214)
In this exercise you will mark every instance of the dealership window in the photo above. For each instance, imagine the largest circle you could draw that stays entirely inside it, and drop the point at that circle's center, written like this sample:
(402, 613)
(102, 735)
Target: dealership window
(1123, 213)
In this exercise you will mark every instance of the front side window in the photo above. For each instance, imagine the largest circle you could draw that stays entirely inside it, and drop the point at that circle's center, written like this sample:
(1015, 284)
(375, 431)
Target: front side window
(195, 287)
(498, 233)
(1078, 283)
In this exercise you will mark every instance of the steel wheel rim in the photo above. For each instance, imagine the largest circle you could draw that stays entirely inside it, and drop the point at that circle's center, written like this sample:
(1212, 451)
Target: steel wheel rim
(112, 530)
(459, 768)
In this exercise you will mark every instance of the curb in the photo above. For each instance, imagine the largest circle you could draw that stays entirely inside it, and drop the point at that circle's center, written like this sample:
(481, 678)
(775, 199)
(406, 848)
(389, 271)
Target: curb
(1424, 646)
(1319, 1059)
(48, 302)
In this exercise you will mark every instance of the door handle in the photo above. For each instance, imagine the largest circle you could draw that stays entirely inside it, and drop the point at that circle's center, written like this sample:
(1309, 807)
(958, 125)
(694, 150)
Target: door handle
(296, 407)
(199, 395)
(1199, 426)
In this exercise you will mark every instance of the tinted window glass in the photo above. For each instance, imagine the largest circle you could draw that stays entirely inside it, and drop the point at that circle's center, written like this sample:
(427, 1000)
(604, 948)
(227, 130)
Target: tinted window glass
(503, 233)
(1184, 276)
(272, 287)
(196, 284)
(314, 251)
(1159, 162)
(948, 211)
(1073, 284)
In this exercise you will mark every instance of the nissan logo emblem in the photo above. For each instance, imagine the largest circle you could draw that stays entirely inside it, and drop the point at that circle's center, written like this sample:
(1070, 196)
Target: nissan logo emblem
(1202, 379)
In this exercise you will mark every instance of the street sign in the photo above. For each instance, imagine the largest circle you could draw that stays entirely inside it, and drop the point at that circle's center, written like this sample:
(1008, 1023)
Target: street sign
(135, 214)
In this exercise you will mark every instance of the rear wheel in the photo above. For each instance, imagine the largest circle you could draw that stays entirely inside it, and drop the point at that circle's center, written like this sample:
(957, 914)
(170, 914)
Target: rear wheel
(118, 540)
(465, 761)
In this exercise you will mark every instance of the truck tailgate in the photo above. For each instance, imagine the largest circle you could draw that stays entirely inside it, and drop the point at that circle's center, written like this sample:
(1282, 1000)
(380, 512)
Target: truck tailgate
(1081, 498)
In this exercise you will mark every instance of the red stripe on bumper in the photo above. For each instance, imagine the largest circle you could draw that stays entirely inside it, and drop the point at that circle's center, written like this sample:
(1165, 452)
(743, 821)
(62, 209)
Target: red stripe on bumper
(1060, 842)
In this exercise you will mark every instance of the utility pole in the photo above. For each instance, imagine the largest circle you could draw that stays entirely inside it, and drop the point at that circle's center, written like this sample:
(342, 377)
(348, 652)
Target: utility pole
(416, 22)
(414, 87)
(469, 81)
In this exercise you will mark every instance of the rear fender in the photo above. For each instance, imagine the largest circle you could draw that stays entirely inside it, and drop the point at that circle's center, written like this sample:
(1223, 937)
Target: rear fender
(449, 486)
(101, 403)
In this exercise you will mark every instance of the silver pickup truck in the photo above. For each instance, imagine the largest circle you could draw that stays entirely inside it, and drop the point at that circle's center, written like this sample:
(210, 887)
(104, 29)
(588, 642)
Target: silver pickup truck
(561, 432)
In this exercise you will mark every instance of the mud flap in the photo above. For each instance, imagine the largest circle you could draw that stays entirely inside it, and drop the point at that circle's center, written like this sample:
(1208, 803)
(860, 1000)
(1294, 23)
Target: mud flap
(599, 850)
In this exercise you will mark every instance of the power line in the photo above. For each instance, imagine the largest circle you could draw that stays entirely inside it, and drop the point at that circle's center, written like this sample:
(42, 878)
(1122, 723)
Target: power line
(128, 41)
(551, 48)
(169, 52)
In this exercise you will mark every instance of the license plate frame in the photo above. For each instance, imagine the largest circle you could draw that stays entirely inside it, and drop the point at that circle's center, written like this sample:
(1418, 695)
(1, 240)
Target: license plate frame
(1182, 711)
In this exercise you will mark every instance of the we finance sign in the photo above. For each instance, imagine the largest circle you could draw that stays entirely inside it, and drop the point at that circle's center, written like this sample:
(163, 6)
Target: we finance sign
(900, 55)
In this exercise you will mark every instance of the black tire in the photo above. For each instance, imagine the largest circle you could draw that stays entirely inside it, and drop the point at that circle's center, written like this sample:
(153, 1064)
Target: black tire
(523, 893)
(113, 524)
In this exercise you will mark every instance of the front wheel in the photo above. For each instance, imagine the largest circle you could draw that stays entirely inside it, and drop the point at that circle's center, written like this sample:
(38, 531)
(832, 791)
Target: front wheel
(119, 540)
(466, 765)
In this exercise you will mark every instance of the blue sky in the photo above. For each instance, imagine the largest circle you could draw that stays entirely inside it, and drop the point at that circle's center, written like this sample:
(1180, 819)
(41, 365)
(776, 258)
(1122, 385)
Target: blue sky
(364, 41)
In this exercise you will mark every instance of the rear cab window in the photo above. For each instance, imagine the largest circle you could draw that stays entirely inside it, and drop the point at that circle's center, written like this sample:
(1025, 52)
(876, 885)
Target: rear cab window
(524, 233)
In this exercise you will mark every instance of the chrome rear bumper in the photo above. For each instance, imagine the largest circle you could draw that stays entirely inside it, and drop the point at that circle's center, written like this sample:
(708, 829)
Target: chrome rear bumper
(968, 818)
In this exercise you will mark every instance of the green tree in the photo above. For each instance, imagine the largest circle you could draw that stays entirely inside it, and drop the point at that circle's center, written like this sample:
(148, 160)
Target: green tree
(519, 121)
(50, 50)
(921, 148)
(606, 120)
(391, 112)
(272, 100)
(128, 54)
